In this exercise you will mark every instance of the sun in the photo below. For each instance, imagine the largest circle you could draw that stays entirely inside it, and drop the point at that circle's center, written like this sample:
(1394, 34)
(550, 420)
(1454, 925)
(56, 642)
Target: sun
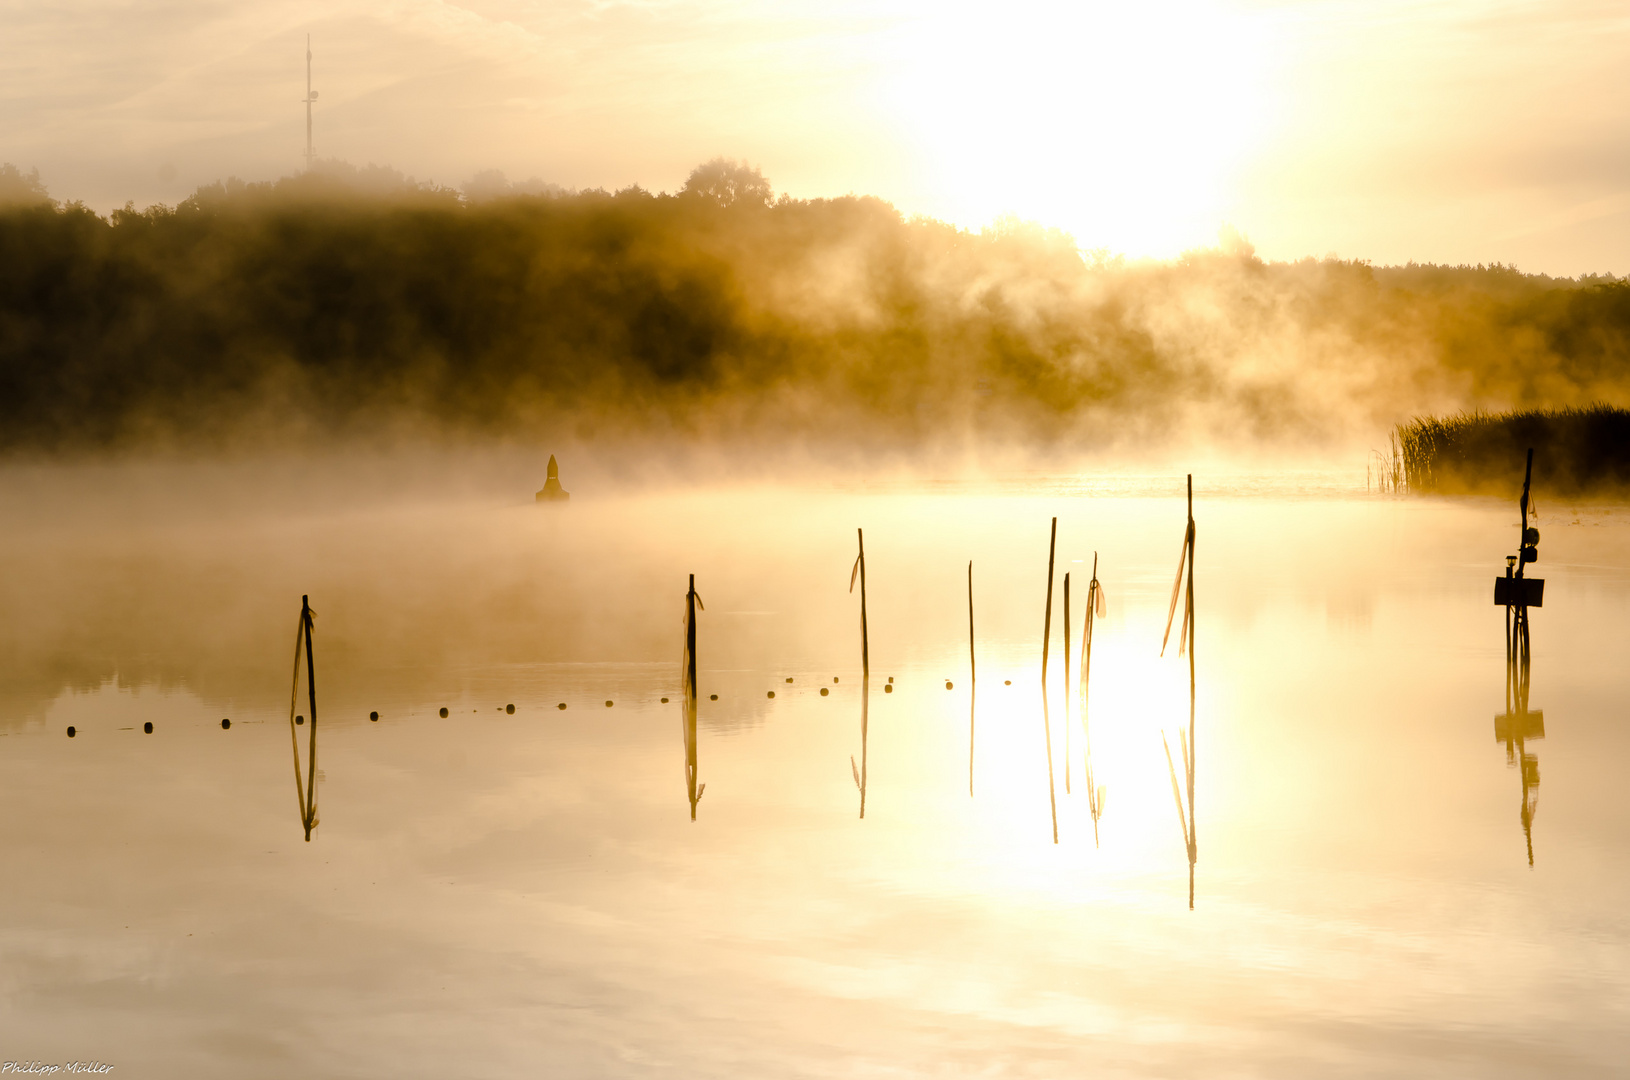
(1122, 123)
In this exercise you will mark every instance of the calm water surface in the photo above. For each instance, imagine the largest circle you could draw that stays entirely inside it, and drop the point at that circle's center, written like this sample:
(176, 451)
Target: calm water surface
(497, 894)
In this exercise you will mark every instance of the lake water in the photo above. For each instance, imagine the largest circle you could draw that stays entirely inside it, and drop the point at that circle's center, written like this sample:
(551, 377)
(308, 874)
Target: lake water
(519, 894)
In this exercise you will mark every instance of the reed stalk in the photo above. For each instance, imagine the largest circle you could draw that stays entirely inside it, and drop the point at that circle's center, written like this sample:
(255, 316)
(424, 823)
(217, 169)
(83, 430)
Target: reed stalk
(1046, 639)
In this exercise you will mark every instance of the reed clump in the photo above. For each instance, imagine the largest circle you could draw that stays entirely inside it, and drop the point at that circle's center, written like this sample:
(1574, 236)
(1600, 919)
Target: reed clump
(1578, 450)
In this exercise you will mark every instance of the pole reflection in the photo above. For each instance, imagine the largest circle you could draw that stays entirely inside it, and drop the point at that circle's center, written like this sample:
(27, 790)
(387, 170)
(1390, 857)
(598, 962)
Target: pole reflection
(305, 793)
(1517, 727)
(1185, 643)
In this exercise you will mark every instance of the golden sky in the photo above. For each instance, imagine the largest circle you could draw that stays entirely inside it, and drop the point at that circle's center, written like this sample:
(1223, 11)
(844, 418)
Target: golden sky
(1446, 131)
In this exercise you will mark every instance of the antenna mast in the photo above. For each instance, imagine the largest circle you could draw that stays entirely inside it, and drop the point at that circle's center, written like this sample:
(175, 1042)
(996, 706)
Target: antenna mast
(311, 95)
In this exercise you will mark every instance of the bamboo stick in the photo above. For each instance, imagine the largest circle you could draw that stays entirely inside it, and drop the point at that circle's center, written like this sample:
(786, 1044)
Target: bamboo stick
(1046, 638)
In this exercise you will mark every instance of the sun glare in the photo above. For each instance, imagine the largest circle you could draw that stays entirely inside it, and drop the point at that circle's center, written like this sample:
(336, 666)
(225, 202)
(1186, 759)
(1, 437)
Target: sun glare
(1120, 123)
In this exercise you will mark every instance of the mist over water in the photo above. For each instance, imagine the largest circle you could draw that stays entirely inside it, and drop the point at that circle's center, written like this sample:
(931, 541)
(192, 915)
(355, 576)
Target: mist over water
(533, 881)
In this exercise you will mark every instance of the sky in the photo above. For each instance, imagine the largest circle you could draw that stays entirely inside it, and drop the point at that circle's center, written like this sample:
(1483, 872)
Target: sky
(1388, 130)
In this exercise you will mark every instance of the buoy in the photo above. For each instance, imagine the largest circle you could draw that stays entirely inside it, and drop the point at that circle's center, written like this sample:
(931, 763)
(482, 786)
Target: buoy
(891, 678)
(299, 719)
(713, 697)
(608, 704)
(225, 724)
(834, 678)
(665, 701)
(148, 727)
(373, 716)
(789, 680)
(1007, 682)
(70, 731)
(771, 694)
(510, 709)
(552, 491)
(444, 711)
(562, 705)
(825, 691)
(947, 684)
(888, 688)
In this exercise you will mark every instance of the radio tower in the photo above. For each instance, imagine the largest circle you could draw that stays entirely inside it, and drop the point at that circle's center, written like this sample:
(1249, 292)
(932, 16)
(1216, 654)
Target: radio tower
(311, 95)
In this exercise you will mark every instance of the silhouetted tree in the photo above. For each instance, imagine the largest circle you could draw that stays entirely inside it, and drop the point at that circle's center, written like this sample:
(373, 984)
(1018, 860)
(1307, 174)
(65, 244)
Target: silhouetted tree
(729, 182)
(19, 190)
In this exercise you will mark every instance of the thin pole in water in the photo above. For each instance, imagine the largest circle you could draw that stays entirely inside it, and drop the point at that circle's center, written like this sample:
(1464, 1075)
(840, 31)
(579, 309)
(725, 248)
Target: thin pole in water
(860, 563)
(972, 678)
(865, 664)
(692, 791)
(311, 691)
(294, 698)
(690, 639)
(1194, 841)
(1046, 637)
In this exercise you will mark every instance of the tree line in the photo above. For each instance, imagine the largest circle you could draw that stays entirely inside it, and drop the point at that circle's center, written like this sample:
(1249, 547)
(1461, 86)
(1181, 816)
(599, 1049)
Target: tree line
(347, 301)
